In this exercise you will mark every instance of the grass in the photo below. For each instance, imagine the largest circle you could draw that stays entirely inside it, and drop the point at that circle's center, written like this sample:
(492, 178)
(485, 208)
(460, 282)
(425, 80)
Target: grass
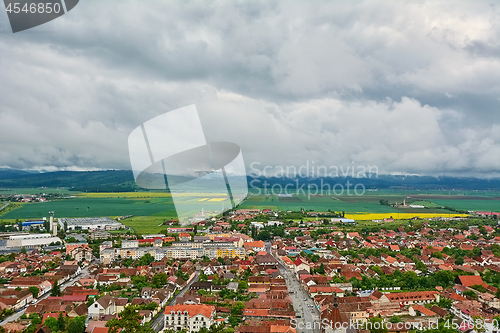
(93, 208)
(128, 195)
(136, 195)
(479, 205)
(147, 224)
(150, 209)
(425, 203)
(35, 190)
(315, 203)
(12, 206)
(398, 215)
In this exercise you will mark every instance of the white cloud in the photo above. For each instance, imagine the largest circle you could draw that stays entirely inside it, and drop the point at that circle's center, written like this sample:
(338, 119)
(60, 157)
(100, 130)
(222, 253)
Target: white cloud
(409, 87)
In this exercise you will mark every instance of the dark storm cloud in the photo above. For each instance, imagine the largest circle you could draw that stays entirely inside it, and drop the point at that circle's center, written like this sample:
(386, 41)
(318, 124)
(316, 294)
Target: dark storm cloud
(409, 87)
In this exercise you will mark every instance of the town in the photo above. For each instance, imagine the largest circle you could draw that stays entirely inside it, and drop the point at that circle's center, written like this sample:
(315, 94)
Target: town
(251, 270)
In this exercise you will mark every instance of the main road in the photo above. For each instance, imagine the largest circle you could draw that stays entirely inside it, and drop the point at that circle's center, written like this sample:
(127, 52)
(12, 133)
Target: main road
(307, 315)
(158, 321)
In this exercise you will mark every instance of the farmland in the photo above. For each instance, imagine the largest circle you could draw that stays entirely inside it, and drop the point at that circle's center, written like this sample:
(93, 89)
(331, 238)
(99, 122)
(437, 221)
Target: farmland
(150, 209)
(315, 203)
(94, 207)
(478, 205)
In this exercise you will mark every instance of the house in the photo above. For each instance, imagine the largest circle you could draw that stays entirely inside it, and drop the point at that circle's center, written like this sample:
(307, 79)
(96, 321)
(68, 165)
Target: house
(423, 311)
(103, 306)
(81, 253)
(184, 237)
(301, 265)
(189, 316)
(470, 280)
(255, 246)
(232, 286)
(414, 297)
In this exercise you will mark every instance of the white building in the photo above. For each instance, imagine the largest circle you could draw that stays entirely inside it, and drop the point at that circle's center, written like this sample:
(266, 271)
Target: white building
(189, 316)
(90, 223)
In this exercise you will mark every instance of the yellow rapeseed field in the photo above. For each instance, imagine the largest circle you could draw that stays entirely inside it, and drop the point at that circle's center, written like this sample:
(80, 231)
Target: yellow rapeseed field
(397, 215)
(133, 195)
(130, 195)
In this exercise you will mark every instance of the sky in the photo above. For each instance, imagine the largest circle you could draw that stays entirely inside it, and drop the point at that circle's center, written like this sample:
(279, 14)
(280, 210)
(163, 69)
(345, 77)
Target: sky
(411, 87)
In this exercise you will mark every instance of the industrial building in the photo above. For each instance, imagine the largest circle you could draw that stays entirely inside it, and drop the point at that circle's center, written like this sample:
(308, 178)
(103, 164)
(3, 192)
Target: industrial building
(90, 223)
(29, 241)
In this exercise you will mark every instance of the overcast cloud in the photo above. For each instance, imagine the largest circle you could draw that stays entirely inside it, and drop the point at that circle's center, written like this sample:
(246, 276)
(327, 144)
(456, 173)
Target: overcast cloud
(411, 87)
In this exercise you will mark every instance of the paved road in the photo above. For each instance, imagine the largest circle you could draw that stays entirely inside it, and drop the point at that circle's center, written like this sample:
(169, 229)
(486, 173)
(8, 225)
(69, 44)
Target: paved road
(303, 304)
(8, 203)
(63, 286)
(158, 321)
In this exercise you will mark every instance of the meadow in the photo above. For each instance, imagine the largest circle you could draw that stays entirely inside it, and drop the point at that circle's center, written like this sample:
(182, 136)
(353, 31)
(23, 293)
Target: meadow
(86, 207)
(151, 209)
(36, 190)
(470, 204)
(397, 215)
(314, 203)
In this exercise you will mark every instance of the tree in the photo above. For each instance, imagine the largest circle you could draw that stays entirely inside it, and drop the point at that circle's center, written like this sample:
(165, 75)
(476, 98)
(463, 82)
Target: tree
(56, 290)
(214, 328)
(444, 302)
(233, 320)
(242, 285)
(129, 321)
(34, 290)
(23, 250)
(469, 293)
(395, 319)
(76, 325)
(51, 323)
(264, 235)
(237, 309)
(60, 322)
(421, 266)
(159, 280)
(437, 255)
(146, 260)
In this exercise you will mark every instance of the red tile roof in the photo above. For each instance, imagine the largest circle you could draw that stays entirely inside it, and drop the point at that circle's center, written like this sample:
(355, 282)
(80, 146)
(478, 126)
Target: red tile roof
(470, 280)
(423, 310)
(192, 309)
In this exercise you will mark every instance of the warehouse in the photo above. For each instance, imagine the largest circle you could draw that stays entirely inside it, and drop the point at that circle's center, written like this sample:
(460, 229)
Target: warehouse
(90, 223)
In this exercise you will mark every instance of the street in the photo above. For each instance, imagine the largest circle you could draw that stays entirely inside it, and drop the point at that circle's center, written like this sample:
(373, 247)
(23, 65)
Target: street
(158, 321)
(63, 286)
(303, 304)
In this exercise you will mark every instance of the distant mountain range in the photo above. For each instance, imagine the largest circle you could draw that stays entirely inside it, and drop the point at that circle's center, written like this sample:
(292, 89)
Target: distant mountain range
(123, 180)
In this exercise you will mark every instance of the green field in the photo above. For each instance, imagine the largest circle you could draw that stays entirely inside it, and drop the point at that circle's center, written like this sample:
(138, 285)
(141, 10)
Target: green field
(36, 190)
(95, 208)
(315, 203)
(151, 209)
(467, 204)
(145, 224)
